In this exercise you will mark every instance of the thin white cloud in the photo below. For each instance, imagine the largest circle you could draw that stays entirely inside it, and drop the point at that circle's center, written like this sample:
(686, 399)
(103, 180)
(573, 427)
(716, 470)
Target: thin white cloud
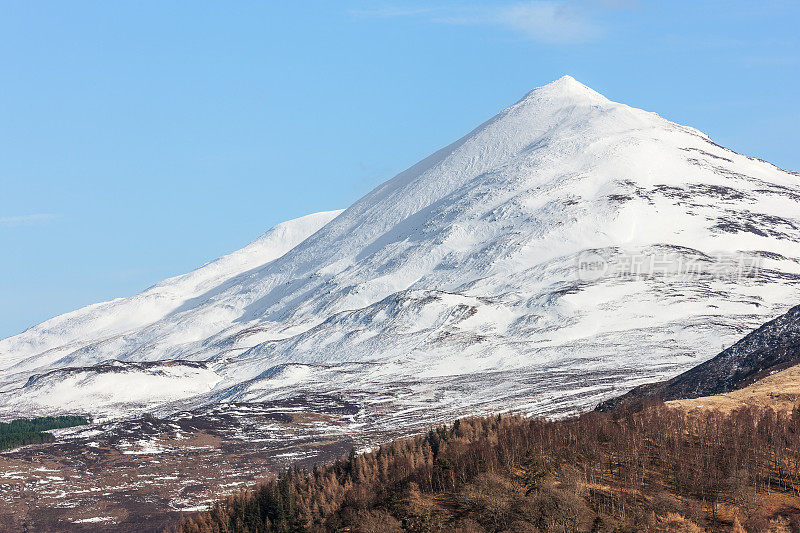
(26, 220)
(545, 21)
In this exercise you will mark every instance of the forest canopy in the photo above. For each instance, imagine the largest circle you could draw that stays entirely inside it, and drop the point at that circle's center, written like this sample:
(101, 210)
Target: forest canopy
(661, 469)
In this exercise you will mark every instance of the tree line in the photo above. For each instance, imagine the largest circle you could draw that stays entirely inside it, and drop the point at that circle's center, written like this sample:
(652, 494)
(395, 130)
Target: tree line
(660, 469)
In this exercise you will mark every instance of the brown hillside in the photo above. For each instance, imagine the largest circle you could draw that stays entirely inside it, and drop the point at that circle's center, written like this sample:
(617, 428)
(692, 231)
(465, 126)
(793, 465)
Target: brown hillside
(779, 391)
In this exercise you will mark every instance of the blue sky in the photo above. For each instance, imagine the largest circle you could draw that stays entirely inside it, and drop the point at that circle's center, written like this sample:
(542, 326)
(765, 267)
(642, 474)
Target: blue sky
(141, 139)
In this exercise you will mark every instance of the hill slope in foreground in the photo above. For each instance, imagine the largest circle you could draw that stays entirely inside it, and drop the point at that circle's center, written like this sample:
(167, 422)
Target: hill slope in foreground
(763, 352)
(779, 391)
(567, 248)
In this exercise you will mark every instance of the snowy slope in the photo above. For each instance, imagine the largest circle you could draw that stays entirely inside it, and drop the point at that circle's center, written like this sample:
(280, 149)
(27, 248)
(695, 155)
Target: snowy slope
(463, 284)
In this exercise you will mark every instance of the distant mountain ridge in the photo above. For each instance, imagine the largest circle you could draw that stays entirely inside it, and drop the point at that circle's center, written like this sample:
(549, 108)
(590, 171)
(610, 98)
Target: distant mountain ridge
(568, 248)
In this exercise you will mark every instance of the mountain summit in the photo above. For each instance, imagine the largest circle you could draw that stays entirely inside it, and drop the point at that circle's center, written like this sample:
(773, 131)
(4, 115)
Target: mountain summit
(566, 87)
(567, 248)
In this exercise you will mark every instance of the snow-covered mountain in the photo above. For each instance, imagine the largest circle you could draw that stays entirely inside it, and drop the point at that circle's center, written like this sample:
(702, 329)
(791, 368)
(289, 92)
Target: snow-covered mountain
(568, 247)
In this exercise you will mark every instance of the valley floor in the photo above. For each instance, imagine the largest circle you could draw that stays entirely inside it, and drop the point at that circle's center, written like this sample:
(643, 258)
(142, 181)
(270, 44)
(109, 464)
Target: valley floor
(142, 475)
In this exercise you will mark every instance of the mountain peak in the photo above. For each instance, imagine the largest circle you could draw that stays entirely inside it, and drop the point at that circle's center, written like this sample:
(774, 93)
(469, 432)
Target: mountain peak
(565, 87)
(567, 80)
